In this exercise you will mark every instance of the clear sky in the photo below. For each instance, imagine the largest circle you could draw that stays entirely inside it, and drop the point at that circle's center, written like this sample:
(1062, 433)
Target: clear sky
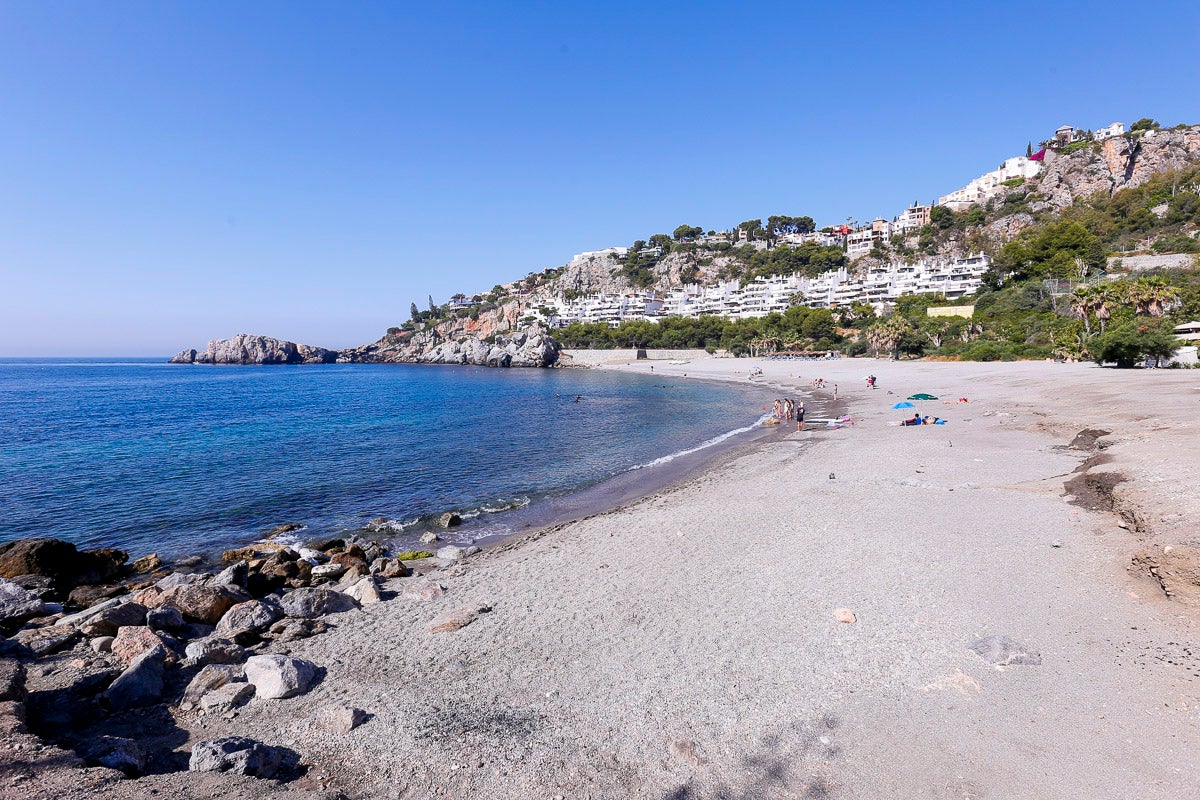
(175, 172)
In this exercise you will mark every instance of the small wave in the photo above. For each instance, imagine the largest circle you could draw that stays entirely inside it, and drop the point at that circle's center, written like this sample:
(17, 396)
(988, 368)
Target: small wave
(495, 508)
(703, 445)
(395, 525)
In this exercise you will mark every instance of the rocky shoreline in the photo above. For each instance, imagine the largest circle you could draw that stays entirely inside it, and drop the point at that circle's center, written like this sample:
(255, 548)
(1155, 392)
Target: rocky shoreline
(518, 349)
(105, 662)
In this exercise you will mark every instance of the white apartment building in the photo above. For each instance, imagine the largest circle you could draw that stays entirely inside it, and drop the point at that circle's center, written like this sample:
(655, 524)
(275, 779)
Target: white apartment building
(1110, 131)
(860, 242)
(985, 185)
(880, 286)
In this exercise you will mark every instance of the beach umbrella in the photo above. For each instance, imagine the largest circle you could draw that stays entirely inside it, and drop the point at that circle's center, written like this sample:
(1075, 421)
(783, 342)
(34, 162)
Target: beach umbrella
(904, 404)
(923, 396)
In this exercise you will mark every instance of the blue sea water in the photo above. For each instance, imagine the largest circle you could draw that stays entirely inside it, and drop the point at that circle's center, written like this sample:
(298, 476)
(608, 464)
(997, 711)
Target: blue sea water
(147, 456)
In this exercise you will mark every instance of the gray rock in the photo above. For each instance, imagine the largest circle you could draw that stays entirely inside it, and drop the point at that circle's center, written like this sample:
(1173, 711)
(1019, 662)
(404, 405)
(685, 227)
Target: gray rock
(315, 601)
(312, 556)
(339, 719)
(140, 684)
(453, 552)
(18, 605)
(116, 752)
(422, 589)
(108, 621)
(165, 618)
(210, 677)
(364, 590)
(328, 571)
(449, 520)
(244, 622)
(430, 538)
(12, 680)
(43, 641)
(78, 619)
(226, 698)
(102, 644)
(1003, 651)
(179, 579)
(275, 676)
(236, 754)
(213, 650)
(233, 575)
(458, 618)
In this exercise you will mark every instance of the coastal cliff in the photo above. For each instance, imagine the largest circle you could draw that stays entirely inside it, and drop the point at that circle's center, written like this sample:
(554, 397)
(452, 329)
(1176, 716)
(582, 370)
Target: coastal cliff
(430, 346)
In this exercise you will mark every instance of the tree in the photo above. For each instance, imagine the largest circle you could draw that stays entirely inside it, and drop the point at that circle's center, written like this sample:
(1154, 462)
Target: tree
(887, 334)
(661, 240)
(1028, 149)
(1144, 124)
(753, 229)
(1129, 343)
(941, 217)
(1151, 296)
(412, 308)
(432, 306)
(1083, 303)
(685, 233)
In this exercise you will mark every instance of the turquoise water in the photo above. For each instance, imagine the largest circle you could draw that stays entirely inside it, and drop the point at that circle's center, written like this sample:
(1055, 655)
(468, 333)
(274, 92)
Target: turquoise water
(147, 456)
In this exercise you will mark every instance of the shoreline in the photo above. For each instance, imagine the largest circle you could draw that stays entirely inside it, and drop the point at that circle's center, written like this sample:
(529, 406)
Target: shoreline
(688, 643)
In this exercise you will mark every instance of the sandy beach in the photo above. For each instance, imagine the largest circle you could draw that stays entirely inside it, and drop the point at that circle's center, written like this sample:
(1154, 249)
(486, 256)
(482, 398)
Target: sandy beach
(686, 644)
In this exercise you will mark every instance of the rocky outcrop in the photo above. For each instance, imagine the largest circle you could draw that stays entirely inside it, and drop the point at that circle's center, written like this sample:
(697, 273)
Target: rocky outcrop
(1114, 164)
(447, 343)
(247, 348)
(434, 346)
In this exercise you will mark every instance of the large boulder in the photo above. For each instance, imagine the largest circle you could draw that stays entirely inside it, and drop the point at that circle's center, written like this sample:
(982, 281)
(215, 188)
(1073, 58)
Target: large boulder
(111, 619)
(210, 677)
(243, 622)
(140, 684)
(116, 752)
(61, 561)
(202, 603)
(52, 557)
(133, 640)
(226, 698)
(238, 755)
(275, 676)
(213, 650)
(315, 601)
(18, 606)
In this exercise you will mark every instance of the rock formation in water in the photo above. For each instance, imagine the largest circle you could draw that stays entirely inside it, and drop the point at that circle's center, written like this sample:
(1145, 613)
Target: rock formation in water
(246, 348)
(434, 345)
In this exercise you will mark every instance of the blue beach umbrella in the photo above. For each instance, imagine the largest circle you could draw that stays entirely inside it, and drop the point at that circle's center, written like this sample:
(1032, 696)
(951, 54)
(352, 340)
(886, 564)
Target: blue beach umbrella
(904, 404)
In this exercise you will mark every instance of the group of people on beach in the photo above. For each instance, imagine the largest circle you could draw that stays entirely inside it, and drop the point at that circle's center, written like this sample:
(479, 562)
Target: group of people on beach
(786, 409)
(871, 381)
(917, 419)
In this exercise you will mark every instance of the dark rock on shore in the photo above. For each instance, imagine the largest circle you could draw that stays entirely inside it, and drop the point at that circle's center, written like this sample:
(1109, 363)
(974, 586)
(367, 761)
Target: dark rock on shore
(238, 755)
(141, 683)
(62, 562)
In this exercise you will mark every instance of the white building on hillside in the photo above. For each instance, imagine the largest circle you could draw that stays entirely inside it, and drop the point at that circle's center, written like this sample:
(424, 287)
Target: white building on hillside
(985, 185)
(914, 217)
(1110, 131)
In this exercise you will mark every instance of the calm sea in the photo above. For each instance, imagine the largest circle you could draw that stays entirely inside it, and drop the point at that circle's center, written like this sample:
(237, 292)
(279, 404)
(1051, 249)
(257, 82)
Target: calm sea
(148, 456)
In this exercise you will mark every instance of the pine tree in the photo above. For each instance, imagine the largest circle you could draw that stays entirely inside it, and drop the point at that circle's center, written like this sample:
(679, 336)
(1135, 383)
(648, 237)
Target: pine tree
(432, 307)
(1028, 149)
(412, 308)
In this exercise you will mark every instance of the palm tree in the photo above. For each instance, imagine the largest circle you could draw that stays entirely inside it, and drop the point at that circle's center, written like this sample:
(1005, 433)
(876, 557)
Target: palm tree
(887, 334)
(1105, 298)
(1152, 296)
(1083, 303)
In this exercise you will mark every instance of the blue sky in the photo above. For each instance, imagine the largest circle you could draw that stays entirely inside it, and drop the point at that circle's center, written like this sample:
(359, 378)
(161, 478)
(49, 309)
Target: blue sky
(174, 172)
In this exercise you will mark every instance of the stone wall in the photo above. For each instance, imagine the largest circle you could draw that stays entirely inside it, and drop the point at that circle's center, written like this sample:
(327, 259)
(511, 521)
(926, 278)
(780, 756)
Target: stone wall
(591, 358)
(1139, 263)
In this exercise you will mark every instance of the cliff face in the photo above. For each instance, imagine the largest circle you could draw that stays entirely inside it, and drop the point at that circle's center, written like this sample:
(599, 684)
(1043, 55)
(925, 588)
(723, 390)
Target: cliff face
(520, 349)
(1114, 164)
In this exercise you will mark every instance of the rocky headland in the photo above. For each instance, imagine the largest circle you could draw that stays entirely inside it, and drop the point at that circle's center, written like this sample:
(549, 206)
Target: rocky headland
(430, 346)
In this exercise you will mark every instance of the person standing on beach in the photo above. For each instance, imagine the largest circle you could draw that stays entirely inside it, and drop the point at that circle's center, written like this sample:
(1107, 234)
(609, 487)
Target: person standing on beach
(835, 391)
(799, 416)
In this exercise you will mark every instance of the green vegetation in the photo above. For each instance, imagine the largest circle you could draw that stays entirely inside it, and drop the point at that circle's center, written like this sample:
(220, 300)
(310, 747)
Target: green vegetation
(799, 328)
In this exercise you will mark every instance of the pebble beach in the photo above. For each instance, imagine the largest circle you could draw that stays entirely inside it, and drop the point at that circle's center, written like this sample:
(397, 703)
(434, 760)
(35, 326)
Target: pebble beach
(996, 607)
